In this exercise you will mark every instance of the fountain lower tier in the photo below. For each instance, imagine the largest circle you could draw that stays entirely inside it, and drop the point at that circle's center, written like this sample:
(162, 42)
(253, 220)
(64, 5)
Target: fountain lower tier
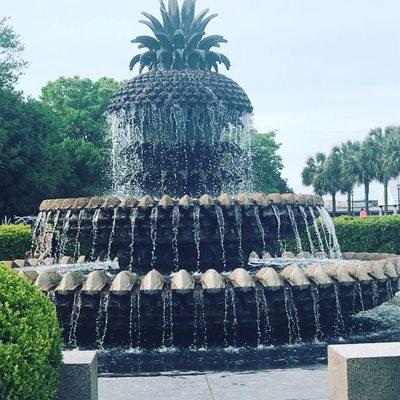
(168, 234)
(275, 304)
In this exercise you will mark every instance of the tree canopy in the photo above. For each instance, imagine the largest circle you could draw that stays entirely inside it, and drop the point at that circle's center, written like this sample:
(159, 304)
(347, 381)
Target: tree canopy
(267, 164)
(11, 48)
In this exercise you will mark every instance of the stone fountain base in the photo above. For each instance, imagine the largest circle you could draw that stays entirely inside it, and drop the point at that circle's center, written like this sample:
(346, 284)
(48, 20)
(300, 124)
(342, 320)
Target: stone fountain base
(281, 302)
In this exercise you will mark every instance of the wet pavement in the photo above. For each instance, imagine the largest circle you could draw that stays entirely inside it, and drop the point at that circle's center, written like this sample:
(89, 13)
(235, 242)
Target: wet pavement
(289, 384)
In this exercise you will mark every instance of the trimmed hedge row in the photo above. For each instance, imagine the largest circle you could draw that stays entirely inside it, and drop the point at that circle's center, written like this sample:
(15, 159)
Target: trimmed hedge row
(371, 234)
(30, 341)
(15, 241)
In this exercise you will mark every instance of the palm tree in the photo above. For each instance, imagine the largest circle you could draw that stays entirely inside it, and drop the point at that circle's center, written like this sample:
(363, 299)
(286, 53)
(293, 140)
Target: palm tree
(331, 175)
(312, 173)
(349, 169)
(383, 142)
(179, 41)
(364, 167)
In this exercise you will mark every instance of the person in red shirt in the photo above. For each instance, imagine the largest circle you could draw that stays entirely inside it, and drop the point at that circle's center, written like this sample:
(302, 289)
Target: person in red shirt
(363, 213)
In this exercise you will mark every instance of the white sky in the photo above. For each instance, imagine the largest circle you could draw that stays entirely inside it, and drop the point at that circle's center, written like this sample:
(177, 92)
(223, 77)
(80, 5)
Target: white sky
(320, 72)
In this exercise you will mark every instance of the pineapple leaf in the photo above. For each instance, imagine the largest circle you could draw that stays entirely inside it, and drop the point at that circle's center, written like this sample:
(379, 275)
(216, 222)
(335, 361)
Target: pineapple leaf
(134, 61)
(187, 14)
(211, 41)
(173, 11)
(154, 22)
(147, 41)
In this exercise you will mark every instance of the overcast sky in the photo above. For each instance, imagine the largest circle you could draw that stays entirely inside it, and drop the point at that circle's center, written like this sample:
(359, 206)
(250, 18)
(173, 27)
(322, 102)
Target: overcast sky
(319, 72)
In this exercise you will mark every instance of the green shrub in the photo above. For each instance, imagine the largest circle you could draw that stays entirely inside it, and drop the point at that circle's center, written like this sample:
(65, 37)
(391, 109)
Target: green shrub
(30, 341)
(15, 241)
(371, 234)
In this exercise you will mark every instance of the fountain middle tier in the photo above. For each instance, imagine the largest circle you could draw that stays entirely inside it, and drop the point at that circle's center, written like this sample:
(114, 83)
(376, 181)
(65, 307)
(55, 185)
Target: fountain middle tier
(169, 234)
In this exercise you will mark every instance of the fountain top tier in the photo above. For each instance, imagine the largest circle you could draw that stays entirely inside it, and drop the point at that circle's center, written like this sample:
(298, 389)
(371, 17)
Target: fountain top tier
(185, 88)
(225, 200)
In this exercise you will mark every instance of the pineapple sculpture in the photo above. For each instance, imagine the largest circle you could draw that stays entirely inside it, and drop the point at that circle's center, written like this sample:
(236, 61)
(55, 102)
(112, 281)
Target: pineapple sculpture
(180, 127)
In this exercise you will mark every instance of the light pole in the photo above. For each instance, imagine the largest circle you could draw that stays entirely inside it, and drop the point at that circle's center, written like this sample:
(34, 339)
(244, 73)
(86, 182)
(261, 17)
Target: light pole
(398, 197)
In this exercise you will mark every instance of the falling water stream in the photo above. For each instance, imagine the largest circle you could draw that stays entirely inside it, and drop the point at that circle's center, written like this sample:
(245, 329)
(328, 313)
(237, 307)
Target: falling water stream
(64, 234)
(239, 222)
(264, 329)
(76, 312)
(200, 324)
(132, 245)
(275, 209)
(230, 323)
(168, 323)
(78, 232)
(102, 319)
(95, 228)
(112, 234)
(317, 316)
(221, 227)
(339, 321)
(327, 221)
(175, 234)
(303, 213)
(295, 229)
(196, 233)
(153, 234)
(260, 227)
(292, 316)
(317, 231)
(134, 320)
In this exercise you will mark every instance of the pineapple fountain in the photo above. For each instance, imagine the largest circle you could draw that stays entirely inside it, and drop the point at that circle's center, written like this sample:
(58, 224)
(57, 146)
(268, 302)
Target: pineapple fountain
(187, 245)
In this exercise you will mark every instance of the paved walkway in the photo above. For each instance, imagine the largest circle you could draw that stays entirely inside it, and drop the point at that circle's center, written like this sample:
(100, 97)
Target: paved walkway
(292, 384)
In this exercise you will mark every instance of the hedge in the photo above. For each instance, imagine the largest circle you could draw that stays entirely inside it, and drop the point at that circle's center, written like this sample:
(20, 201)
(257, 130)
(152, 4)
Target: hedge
(371, 234)
(15, 241)
(30, 341)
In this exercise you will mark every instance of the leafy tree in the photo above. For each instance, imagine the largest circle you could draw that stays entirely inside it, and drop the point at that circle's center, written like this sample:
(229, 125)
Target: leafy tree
(27, 129)
(267, 164)
(11, 47)
(79, 104)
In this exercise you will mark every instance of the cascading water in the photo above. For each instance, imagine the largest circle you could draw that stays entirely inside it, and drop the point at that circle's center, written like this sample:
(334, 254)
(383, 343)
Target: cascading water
(292, 316)
(35, 229)
(64, 236)
(316, 308)
(221, 227)
(95, 221)
(78, 232)
(134, 319)
(279, 225)
(42, 237)
(317, 231)
(132, 218)
(264, 329)
(339, 321)
(112, 234)
(200, 324)
(102, 319)
(230, 324)
(153, 234)
(239, 222)
(201, 141)
(260, 227)
(310, 242)
(327, 221)
(196, 232)
(168, 323)
(75, 314)
(295, 228)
